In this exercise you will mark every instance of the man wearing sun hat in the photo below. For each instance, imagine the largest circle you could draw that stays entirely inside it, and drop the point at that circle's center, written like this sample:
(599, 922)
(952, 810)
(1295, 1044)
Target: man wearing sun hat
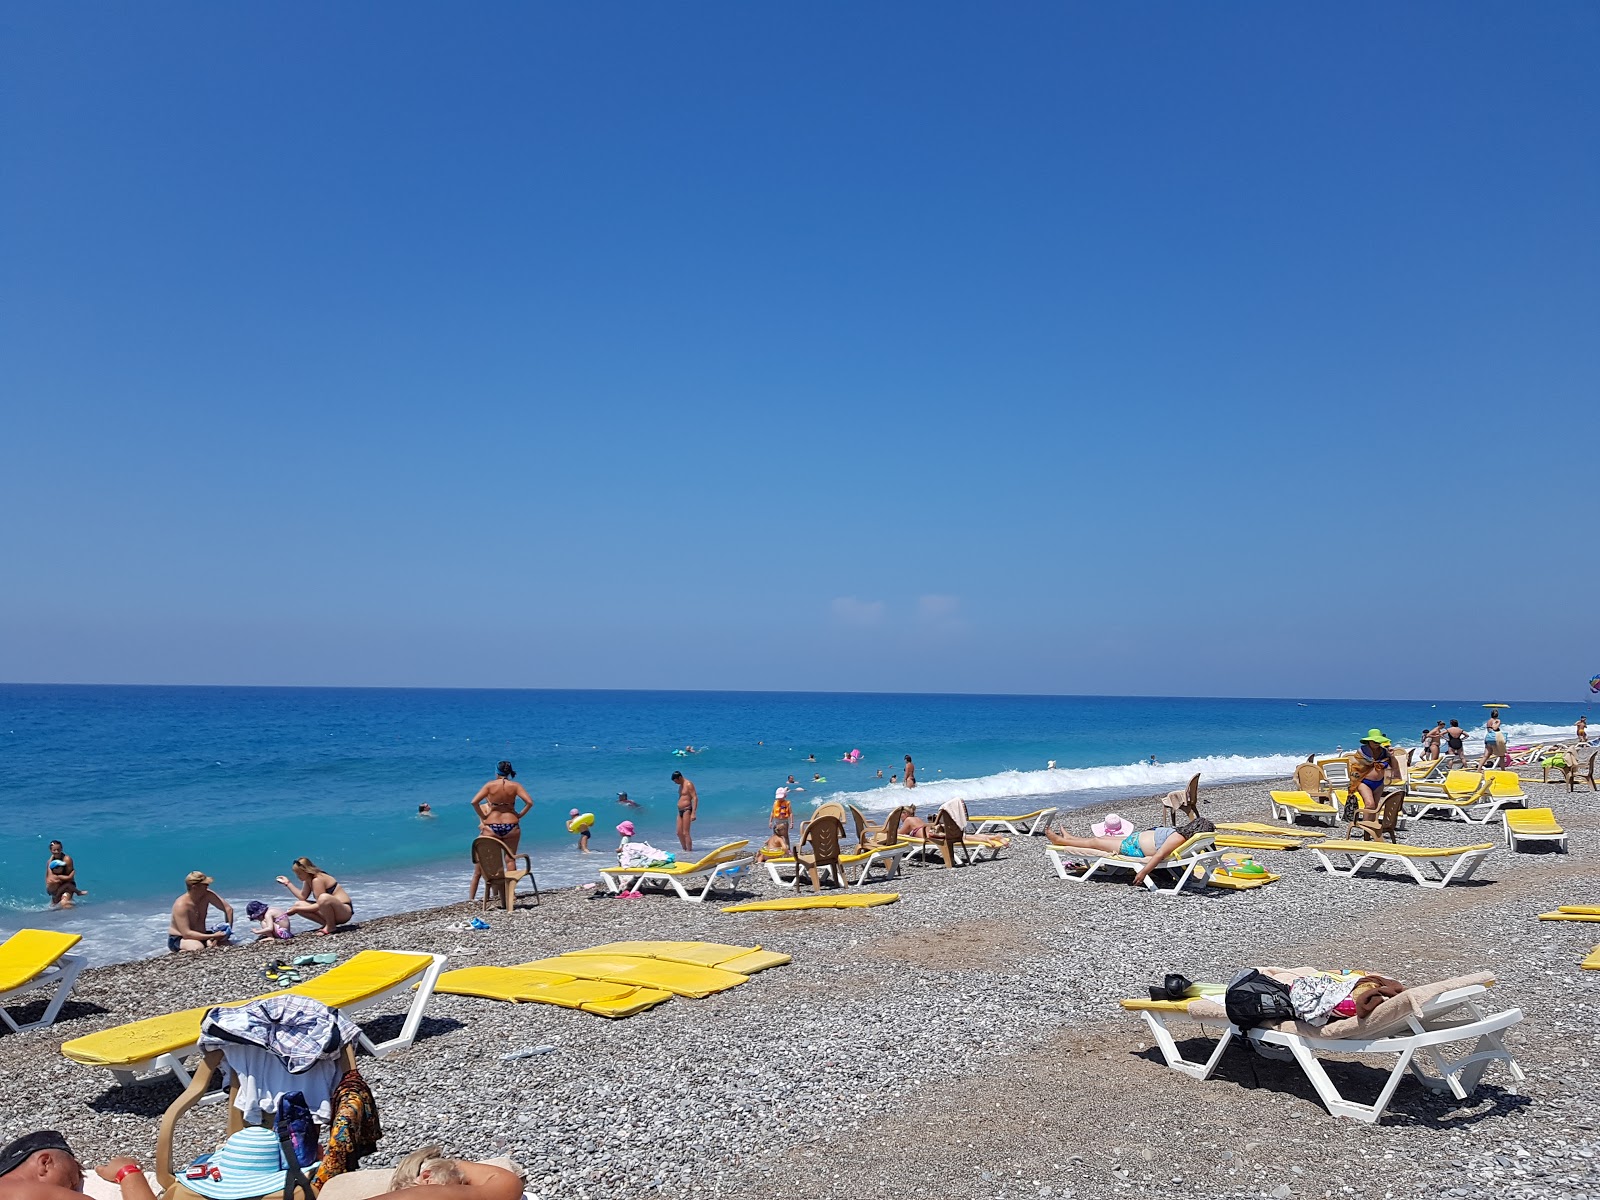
(41, 1166)
(187, 929)
(1369, 765)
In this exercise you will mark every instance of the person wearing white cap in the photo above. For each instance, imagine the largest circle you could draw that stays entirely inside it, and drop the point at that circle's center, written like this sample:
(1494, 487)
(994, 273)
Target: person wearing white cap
(1115, 835)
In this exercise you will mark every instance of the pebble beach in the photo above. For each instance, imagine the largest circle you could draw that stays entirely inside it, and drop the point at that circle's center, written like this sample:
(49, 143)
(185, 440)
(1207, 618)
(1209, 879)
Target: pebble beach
(965, 1041)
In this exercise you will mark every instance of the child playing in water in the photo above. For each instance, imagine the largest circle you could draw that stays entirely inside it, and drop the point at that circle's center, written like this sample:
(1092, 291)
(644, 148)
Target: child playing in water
(270, 922)
(583, 834)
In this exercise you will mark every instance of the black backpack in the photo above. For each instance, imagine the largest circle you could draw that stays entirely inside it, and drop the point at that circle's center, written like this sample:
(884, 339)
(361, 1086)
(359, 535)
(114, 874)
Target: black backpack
(1255, 999)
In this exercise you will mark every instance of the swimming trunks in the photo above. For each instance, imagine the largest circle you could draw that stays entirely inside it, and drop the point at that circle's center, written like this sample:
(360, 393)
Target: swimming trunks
(174, 943)
(501, 830)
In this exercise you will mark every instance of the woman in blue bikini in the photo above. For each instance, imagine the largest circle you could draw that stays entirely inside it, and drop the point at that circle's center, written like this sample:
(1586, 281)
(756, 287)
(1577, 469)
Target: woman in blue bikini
(1116, 836)
(496, 806)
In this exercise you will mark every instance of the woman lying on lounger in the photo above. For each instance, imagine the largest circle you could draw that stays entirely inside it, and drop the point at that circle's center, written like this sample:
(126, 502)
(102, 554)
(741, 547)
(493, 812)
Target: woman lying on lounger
(1115, 836)
(471, 1180)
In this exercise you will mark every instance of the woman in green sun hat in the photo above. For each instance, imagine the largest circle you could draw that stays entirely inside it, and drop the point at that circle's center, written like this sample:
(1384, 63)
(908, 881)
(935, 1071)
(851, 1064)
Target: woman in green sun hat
(1368, 765)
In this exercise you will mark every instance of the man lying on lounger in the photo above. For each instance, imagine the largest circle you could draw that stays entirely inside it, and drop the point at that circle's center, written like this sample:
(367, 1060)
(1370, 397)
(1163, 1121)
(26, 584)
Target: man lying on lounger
(1116, 836)
(41, 1166)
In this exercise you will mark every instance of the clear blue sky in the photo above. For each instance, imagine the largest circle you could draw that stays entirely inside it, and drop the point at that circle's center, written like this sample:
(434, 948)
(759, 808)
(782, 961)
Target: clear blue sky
(1139, 348)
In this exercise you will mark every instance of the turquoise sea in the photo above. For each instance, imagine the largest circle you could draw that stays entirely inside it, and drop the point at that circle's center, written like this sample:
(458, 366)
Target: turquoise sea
(144, 784)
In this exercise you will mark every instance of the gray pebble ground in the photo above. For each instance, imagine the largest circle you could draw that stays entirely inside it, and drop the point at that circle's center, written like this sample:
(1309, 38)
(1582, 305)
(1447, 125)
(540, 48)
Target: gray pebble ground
(965, 1042)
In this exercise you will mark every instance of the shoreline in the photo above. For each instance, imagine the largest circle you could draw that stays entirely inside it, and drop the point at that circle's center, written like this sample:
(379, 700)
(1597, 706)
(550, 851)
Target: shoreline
(945, 1016)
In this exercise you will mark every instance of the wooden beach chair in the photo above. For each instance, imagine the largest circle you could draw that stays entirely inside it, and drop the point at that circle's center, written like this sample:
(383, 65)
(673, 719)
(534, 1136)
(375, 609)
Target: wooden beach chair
(1430, 866)
(680, 877)
(37, 960)
(157, 1045)
(887, 833)
(1193, 861)
(1418, 1027)
(823, 834)
(1533, 825)
(1029, 824)
(500, 881)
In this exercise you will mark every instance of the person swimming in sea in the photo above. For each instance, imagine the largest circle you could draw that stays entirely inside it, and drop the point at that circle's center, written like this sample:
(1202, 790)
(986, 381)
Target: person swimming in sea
(622, 798)
(425, 811)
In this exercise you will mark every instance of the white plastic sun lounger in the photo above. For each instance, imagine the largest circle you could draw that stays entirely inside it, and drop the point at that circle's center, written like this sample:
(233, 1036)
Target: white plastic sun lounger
(1286, 806)
(1446, 863)
(1417, 1027)
(887, 857)
(1022, 824)
(1533, 825)
(150, 1048)
(1194, 860)
(34, 960)
(1465, 795)
(701, 876)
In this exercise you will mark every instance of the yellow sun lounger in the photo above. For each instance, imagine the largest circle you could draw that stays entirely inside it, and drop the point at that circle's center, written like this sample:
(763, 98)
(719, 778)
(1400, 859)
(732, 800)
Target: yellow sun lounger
(627, 879)
(34, 960)
(1194, 860)
(1255, 841)
(1463, 795)
(1592, 963)
(530, 985)
(681, 979)
(1287, 806)
(1563, 914)
(160, 1044)
(745, 960)
(1021, 824)
(791, 903)
(1445, 864)
(1533, 825)
(1272, 831)
(887, 857)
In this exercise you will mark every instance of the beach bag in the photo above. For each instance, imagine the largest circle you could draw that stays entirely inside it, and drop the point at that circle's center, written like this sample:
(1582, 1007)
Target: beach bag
(1255, 999)
(1352, 806)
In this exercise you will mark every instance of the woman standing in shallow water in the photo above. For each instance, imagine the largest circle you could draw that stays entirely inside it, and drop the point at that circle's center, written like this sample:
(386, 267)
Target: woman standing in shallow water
(61, 878)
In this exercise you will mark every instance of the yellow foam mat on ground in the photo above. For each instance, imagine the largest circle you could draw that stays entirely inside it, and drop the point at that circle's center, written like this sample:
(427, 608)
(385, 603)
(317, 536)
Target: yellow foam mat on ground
(1240, 883)
(1562, 915)
(744, 960)
(1298, 832)
(1592, 963)
(1591, 909)
(519, 985)
(1255, 841)
(137, 1041)
(1403, 849)
(790, 903)
(681, 979)
(29, 951)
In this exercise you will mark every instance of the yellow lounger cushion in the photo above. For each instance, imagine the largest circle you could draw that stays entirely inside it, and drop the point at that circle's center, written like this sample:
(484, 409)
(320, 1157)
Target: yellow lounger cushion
(1241, 883)
(681, 979)
(138, 1041)
(29, 951)
(1302, 801)
(1402, 850)
(1580, 908)
(712, 859)
(1532, 820)
(1019, 817)
(745, 960)
(1250, 841)
(519, 985)
(1276, 831)
(1157, 1005)
(1563, 915)
(365, 975)
(786, 903)
(1592, 963)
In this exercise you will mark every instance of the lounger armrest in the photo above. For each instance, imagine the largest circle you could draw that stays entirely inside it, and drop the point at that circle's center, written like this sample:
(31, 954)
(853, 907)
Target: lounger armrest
(198, 1085)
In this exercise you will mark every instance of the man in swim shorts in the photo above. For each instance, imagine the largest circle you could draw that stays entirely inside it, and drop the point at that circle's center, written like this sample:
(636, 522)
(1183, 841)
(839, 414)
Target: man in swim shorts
(688, 809)
(911, 772)
(187, 929)
(41, 1166)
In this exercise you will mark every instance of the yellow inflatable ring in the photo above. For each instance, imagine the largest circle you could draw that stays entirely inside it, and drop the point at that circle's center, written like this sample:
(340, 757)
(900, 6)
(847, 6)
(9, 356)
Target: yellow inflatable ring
(579, 823)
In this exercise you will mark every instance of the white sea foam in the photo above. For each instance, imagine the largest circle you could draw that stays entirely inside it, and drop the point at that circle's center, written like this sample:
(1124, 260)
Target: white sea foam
(989, 790)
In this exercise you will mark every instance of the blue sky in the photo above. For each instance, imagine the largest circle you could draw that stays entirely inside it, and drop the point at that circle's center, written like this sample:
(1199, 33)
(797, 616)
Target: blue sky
(1179, 349)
